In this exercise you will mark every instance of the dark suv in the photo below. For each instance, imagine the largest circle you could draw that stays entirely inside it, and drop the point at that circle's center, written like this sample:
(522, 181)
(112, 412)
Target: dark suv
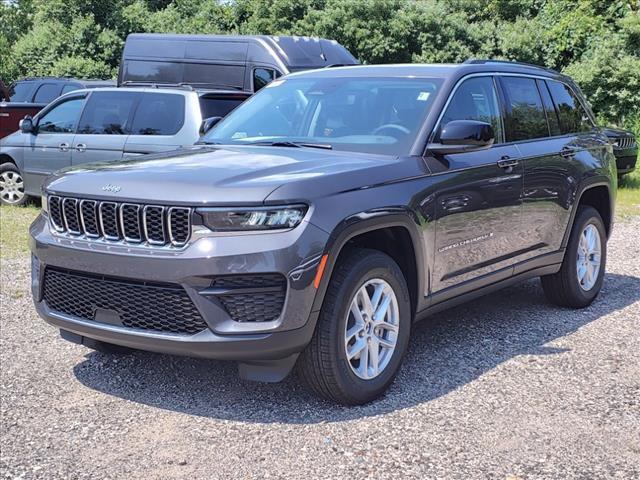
(326, 214)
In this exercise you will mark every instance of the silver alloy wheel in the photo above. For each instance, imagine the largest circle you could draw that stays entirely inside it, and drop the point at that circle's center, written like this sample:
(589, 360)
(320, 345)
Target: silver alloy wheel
(371, 329)
(11, 187)
(589, 257)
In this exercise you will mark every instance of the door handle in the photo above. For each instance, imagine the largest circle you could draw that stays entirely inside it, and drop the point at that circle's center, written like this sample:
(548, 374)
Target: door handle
(567, 152)
(63, 147)
(507, 162)
(81, 147)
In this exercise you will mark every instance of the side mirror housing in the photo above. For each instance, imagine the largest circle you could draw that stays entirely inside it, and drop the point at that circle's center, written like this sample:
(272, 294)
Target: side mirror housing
(26, 125)
(459, 136)
(208, 124)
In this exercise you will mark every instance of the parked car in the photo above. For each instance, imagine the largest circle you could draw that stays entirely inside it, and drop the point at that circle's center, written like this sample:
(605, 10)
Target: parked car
(239, 62)
(625, 148)
(30, 95)
(105, 125)
(326, 214)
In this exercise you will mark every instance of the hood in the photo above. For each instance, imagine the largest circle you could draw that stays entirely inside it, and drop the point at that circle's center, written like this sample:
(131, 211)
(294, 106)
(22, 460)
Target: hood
(612, 132)
(226, 175)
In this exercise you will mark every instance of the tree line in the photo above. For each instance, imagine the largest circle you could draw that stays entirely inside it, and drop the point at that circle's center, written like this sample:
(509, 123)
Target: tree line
(597, 42)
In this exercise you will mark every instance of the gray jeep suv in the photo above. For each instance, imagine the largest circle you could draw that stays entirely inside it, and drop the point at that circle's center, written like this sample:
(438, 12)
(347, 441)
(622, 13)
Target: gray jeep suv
(320, 219)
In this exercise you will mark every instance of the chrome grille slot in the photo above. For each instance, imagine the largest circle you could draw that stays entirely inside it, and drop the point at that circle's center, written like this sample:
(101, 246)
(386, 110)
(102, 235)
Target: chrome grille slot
(89, 218)
(70, 215)
(153, 222)
(125, 223)
(55, 213)
(109, 220)
(179, 225)
(130, 222)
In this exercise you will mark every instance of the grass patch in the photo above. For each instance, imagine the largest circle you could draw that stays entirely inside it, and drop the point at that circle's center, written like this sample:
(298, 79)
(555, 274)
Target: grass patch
(14, 229)
(628, 200)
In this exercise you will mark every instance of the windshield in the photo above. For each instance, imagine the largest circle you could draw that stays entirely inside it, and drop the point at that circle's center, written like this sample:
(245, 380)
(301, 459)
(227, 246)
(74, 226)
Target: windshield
(375, 115)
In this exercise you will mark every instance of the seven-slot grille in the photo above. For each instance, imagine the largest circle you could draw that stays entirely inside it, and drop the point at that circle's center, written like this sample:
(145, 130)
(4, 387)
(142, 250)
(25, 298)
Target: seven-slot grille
(129, 222)
(626, 142)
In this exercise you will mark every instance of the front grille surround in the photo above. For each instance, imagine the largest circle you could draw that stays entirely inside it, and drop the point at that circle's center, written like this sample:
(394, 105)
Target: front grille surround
(129, 223)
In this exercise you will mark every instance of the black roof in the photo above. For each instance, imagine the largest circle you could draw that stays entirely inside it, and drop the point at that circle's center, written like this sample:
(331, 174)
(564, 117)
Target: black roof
(81, 81)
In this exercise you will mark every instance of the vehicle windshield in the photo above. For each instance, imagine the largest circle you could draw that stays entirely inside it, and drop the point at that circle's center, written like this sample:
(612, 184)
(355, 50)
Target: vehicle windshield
(374, 115)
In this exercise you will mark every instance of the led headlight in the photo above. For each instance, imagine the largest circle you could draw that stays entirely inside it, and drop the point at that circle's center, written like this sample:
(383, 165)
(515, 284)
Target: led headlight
(252, 218)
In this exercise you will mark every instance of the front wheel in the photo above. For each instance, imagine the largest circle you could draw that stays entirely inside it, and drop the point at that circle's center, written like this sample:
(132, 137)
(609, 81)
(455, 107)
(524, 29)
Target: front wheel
(580, 278)
(362, 332)
(11, 185)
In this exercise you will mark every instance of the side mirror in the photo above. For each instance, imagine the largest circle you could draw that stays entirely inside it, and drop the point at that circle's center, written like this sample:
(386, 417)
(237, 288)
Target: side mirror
(208, 124)
(26, 125)
(459, 136)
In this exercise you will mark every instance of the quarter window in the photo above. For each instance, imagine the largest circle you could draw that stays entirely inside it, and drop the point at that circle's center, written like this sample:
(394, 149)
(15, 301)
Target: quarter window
(159, 114)
(47, 93)
(262, 77)
(62, 118)
(107, 113)
(525, 118)
(69, 88)
(573, 117)
(476, 99)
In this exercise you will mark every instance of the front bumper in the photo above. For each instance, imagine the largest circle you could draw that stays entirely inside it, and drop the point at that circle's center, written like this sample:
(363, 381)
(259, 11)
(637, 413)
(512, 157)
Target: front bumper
(294, 254)
(626, 159)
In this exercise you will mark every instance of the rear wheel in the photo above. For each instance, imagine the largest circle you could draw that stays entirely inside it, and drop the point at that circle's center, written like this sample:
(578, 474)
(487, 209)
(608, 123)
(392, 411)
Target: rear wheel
(11, 185)
(580, 278)
(362, 332)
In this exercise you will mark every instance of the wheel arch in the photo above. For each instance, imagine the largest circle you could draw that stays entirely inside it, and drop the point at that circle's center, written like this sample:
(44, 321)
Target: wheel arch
(6, 158)
(390, 231)
(599, 195)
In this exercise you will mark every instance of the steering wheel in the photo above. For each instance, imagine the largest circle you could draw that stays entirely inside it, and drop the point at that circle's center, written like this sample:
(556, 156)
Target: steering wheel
(393, 128)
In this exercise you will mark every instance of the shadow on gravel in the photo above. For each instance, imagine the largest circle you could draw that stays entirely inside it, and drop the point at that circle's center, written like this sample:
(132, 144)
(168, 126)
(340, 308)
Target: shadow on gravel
(448, 351)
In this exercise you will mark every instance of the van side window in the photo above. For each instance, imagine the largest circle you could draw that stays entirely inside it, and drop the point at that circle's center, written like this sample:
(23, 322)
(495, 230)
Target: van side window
(107, 113)
(573, 117)
(476, 99)
(262, 77)
(70, 87)
(525, 118)
(158, 114)
(47, 92)
(550, 109)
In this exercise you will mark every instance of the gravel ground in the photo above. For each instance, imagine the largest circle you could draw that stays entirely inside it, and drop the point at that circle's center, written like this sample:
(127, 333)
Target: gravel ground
(505, 387)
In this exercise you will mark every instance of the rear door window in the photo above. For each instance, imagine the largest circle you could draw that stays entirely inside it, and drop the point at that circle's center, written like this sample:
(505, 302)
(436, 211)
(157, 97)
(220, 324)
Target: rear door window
(549, 108)
(70, 87)
(526, 118)
(573, 117)
(159, 114)
(47, 92)
(107, 113)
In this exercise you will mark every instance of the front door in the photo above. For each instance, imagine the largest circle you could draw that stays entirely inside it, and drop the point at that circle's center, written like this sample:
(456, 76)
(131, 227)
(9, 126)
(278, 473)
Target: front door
(104, 127)
(49, 148)
(478, 207)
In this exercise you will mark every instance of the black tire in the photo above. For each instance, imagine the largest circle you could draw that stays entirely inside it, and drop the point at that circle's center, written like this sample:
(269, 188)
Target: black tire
(563, 288)
(11, 168)
(323, 366)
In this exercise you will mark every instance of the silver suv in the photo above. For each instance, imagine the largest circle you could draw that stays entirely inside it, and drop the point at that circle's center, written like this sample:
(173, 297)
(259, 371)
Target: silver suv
(95, 126)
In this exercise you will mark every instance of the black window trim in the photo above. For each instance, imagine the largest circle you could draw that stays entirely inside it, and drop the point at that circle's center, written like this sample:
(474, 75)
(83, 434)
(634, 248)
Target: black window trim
(263, 67)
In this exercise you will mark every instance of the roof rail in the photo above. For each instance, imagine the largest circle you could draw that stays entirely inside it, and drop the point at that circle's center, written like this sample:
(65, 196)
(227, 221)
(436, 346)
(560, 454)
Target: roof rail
(334, 65)
(130, 83)
(480, 61)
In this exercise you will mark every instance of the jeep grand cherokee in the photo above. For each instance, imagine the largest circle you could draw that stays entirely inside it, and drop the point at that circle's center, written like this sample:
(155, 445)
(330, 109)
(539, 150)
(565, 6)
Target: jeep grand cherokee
(324, 216)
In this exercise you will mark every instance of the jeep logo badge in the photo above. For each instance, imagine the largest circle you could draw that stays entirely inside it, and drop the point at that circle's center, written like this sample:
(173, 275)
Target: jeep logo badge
(111, 188)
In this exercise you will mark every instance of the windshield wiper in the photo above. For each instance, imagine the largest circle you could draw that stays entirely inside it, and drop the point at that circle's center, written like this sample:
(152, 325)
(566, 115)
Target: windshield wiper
(287, 143)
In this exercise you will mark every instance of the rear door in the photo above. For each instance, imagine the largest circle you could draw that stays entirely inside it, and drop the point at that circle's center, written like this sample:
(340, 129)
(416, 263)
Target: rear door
(478, 207)
(48, 149)
(160, 124)
(104, 127)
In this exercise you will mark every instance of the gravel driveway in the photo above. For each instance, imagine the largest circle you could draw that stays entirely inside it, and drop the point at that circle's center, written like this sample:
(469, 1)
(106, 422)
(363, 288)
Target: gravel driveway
(506, 387)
